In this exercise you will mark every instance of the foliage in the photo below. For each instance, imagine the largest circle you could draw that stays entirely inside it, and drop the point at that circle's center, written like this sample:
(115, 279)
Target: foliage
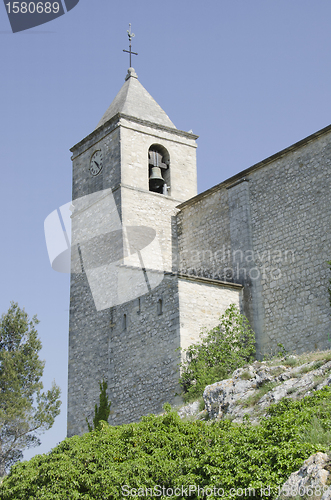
(219, 352)
(264, 389)
(165, 452)
(291, 361)
(245, 376)
(317, 433)
(278, 370)
(101, 412)
(282, 351)
(24, 408)
(305, 369)
(276, 353)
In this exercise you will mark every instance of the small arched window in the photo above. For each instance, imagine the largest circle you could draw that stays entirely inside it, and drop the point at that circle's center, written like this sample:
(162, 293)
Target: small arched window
(159, 169)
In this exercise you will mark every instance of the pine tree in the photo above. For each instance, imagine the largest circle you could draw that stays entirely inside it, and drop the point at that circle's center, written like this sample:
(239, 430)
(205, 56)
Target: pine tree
(24, 409)
(102, 412)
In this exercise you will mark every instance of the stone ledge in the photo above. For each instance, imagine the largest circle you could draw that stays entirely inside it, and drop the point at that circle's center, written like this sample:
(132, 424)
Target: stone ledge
(210, 281)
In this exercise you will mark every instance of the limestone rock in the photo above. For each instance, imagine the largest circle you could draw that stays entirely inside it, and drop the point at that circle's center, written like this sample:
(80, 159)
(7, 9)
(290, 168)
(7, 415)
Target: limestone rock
(251, 390)
(310, 480)
(189, 410)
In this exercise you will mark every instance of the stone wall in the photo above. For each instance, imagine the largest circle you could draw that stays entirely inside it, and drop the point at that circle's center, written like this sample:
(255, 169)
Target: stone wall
(143, 360)
(132, 344)
(204, 240)
(108, 141)
(153, 210)
(88, 354)
(271, 226)
(291, 219)
(266, 229)
(136, 139)
(88, 328)
(201, 304)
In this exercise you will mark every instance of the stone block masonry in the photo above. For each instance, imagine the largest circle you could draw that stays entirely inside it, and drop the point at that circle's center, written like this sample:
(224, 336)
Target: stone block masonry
(260, 240)
(143, 357)
(135, 346)
(132, 345)
(291, 216)
(201, 304)
(274, 237)
(88, 354)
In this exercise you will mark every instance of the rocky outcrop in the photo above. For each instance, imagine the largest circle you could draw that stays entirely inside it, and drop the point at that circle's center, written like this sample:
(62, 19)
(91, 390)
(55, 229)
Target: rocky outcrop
(189, 410)
(252, 389)
(310, 481)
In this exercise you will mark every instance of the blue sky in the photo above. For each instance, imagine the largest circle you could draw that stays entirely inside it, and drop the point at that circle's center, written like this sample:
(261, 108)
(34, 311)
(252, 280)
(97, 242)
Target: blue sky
(249, 77)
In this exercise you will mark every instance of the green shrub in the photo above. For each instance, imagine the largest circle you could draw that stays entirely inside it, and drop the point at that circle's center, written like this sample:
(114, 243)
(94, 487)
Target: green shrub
(282, 351)
(277, 371)
(274, 354)
(264, 389)
(291, 362)
(101, 412)
(202, 405)
(316, 433)
(305, 369)
(168, 452)
(245, 376)
(220, 351)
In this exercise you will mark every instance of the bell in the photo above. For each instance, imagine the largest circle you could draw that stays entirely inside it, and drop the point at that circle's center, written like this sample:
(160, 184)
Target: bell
(156, 180)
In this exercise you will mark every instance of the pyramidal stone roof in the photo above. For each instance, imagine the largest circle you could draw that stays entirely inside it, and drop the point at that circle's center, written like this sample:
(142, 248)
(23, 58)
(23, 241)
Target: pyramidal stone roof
(134, 100)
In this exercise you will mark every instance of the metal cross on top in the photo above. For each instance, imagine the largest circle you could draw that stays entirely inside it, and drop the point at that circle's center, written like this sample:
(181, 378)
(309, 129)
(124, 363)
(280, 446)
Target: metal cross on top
(130, 35)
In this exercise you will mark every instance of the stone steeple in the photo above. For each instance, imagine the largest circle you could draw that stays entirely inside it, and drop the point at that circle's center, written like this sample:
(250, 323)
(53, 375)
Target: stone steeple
(133, 100)
(127, 297)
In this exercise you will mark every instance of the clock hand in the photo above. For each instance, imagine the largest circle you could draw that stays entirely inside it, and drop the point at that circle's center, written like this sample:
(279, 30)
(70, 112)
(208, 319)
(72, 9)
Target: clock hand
(97, 164)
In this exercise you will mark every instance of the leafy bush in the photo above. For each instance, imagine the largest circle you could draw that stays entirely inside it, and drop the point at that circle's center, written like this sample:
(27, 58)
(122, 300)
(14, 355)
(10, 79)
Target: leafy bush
(316, 433)
(165, 452)
(220, 351)
(274, 353)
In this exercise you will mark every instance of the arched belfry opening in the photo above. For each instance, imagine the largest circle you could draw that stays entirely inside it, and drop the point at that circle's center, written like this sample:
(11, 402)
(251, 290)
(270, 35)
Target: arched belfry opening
(159, 169)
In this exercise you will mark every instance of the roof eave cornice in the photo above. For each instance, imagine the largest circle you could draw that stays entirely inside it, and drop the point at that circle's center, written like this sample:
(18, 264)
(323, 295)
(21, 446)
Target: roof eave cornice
(111, 124)
(237, 177)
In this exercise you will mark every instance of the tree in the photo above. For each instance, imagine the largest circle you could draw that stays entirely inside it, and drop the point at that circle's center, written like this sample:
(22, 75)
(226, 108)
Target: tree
(219, 352)
(101, 413)
(25, 410)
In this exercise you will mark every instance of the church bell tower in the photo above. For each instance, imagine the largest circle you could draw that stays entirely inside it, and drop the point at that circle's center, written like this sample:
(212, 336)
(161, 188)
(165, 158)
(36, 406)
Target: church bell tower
(129, 175)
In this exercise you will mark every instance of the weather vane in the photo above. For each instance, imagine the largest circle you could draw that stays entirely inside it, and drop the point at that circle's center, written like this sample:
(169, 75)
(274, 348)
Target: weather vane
(130, 35)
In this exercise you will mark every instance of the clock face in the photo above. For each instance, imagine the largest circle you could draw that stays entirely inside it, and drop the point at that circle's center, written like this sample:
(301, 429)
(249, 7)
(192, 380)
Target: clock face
(96, 163)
